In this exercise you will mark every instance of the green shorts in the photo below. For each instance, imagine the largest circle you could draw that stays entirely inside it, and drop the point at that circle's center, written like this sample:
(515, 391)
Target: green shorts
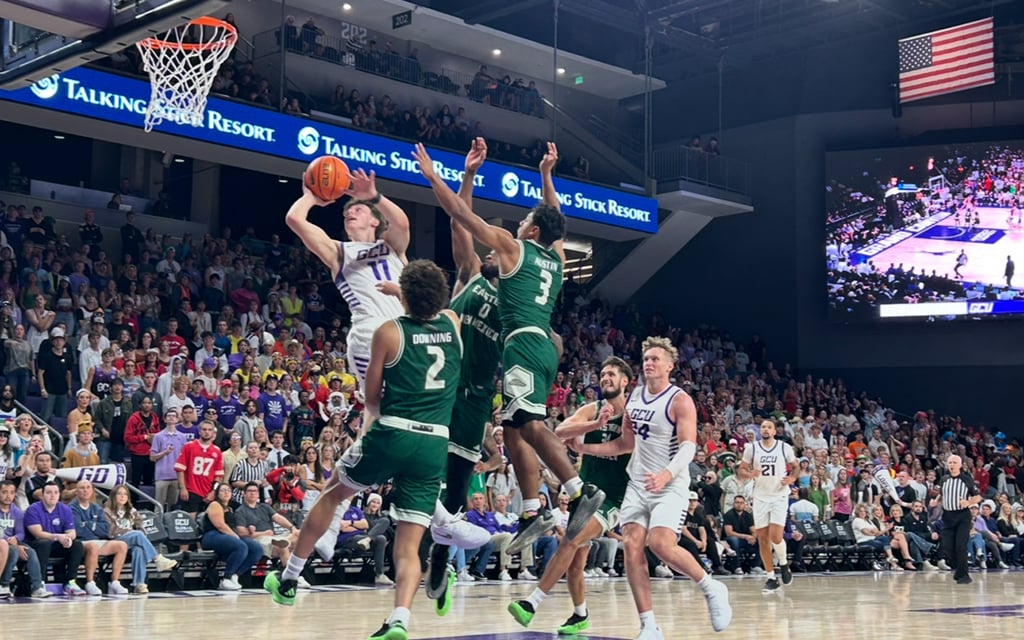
(608, 516)
(529, 364)
(470, 416)
(413, 455)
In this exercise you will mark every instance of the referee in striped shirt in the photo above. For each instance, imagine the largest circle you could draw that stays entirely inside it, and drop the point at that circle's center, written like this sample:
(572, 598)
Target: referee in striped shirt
(957, 493)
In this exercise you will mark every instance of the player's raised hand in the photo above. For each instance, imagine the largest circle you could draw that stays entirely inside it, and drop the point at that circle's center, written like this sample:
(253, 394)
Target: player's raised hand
(309, 195)
(550, 159)
(655, 482)
(363, 185)
(605, 415)
(426, 164)
(476, 156)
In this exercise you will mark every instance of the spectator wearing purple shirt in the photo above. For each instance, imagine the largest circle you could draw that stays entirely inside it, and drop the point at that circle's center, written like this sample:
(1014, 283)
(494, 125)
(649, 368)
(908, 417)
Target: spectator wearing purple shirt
(501, 536)
(227, 405)
(274, 408)
(164, 452)
(51, 531)
(198, 396)
(12, 532)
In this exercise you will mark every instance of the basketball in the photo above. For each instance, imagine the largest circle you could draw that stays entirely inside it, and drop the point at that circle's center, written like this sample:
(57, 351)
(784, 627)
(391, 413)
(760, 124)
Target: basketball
(327, 177)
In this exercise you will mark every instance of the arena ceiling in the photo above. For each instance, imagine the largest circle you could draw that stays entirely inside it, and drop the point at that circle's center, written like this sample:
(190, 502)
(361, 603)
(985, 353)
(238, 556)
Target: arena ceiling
(693, 37)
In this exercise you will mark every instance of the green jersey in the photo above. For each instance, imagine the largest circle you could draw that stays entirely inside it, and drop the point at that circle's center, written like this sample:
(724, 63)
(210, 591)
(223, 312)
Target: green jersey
(421, 382)
(481, 330)
(527, 294)
(608, 473)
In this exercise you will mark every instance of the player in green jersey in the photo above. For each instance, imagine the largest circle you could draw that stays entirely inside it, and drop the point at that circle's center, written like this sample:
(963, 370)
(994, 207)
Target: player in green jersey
(595, 422)
(530, 279)
(475, 299)
(411, 384)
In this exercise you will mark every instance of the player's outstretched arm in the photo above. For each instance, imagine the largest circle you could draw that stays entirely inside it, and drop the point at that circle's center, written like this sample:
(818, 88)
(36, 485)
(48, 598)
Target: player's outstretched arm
(494, 237)
(364, 187)
(549, 194)
(585, 420)
(383, 349)
(467, 262)
(315, 238)
(622, 444)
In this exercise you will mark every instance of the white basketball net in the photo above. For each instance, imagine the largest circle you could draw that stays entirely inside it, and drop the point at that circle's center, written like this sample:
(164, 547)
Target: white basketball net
(182, 66)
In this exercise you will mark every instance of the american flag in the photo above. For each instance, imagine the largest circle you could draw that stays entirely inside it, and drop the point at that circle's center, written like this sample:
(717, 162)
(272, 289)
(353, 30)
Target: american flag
(947, 60)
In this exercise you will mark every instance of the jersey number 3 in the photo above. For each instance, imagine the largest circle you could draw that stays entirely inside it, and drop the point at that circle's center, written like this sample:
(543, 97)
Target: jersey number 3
(545, 288)
(437, 353)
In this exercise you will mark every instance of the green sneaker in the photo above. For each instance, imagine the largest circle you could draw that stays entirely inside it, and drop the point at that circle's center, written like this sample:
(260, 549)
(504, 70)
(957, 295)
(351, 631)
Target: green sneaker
(574, 625)
(443, 604)
(522, 611)
(393, 631)
(283, 591)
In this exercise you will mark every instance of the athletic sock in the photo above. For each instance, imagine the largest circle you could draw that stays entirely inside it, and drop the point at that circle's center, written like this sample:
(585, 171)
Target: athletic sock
(770, 575)
(705, 582)
(531, 505)
(536, 598)
(780, 552)
(400, 614)
(647, 619)
(581, 609)
(294, 568)
(573, 487)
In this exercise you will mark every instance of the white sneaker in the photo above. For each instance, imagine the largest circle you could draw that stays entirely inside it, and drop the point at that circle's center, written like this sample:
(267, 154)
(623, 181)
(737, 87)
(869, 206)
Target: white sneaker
(92, 590)
(524, 574)
(325, 545)
(1006, 546)
(650, 633)
(164, 564)
(41, 592)
(611, 573)
(717, 596)
(455, 531)
(661, 571)
(927, 566)
(302, 583)
(738, 571)
(464, 576)
(757, 571)
(1003, 565)
(364, 543)
(383, 580)
(5, 591)
(230, 584)
(984, 564)
(943, 565)
(115, 589)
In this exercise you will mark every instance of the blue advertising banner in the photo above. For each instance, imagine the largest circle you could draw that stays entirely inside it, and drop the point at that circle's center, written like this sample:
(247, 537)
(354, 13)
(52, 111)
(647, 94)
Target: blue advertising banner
(114, 98)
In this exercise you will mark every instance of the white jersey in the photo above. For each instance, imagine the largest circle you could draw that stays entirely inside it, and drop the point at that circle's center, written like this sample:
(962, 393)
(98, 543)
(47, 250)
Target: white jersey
(655, 434)
(364, 265)
(772, 464)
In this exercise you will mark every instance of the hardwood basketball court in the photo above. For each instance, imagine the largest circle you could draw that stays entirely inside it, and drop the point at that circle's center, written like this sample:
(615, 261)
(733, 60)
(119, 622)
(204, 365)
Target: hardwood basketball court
(845, 605)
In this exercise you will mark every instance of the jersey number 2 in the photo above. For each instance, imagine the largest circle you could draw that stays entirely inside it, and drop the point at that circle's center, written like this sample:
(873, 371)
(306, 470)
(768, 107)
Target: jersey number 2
(545, 288)
(437, 353)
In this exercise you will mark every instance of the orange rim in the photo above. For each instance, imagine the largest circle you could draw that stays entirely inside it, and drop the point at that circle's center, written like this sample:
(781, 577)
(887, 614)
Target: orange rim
(227, 40)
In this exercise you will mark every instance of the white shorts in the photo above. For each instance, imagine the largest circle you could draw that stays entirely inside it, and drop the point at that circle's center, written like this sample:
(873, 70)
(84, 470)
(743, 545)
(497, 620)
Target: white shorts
(358, 353)
(770, 511)
(666, 508)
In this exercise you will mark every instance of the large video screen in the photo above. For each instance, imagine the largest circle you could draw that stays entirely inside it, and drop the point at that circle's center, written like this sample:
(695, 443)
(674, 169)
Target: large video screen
(927, 233)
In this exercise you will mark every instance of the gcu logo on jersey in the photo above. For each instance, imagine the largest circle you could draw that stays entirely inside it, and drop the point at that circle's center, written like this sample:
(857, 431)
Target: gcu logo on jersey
(641, 415)
(378, 251)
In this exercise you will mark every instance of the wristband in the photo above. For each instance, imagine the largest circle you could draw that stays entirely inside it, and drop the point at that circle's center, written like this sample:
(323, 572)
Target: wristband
(374, 200)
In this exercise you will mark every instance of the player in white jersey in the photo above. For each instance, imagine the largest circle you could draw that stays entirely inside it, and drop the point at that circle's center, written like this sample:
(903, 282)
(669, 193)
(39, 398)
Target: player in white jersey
(768, 463)
(660, 427)
(374, 254)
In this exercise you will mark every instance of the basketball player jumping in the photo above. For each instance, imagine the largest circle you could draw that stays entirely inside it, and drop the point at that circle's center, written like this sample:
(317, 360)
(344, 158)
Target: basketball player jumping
(596, 422)
(371, 258)
(530, 279)
(660, 428)
(475, 299)
(417, 359)
(768, 463)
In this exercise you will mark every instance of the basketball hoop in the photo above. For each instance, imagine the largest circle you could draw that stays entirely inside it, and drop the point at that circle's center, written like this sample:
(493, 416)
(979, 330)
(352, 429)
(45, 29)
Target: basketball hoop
(182, 66)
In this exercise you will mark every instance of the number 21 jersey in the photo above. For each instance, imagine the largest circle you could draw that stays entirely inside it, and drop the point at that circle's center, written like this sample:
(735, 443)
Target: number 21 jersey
(772, 464)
